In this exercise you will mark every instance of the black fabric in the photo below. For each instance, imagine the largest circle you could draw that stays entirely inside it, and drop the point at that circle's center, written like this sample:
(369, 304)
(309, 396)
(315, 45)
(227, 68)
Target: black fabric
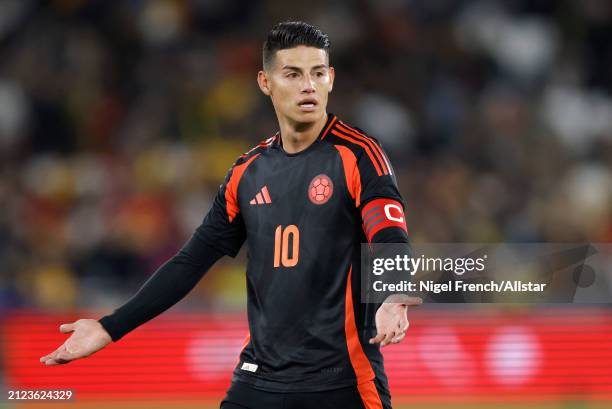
(297, 311)
(300, 252)
(392, 235)
(170, 283)
(218, 235)
(244, 396)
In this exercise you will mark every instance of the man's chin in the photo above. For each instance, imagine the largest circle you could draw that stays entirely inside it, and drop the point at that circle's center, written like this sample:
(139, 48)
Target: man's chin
(308, 116)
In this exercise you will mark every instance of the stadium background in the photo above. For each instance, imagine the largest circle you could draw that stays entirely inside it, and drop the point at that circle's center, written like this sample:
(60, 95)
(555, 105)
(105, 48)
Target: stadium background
(118, 120)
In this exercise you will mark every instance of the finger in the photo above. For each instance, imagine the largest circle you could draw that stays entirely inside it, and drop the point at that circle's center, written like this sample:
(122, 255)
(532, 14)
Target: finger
(53, 362)
(52, 354)
(45, 357)
(64, 357)
(398, 338)
(388, 337)
(412, 301)
(67, 328)
(404, 324)
(53, 358)
(377, 339)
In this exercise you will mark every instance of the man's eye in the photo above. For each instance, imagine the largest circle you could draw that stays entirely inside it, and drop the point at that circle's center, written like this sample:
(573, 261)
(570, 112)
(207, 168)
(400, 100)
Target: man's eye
(320, 73)
(292, 75)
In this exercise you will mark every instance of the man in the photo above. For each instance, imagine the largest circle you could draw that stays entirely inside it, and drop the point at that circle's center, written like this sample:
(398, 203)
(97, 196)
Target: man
(304, 200)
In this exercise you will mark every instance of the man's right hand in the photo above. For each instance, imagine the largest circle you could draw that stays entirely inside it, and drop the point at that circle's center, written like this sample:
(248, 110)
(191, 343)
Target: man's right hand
(88, 336)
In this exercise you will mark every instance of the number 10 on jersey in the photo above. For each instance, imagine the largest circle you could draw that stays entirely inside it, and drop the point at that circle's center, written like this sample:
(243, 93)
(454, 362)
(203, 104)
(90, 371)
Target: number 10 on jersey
(283, 237)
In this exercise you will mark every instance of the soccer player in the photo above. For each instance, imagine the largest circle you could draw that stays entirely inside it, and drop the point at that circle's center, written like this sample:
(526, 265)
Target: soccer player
(304, 200)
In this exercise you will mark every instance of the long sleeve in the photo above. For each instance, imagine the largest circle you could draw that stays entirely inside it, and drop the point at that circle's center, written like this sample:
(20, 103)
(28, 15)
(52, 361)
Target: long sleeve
(167, 286)
(222, 232)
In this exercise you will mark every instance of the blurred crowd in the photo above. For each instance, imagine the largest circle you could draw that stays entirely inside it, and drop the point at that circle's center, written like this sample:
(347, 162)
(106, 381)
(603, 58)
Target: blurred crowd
(119, 120)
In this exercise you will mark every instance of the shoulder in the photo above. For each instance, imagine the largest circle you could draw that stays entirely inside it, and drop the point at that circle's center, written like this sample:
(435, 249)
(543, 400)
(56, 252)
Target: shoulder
(250, 155)
(364, 146)
(258, 149)
(244, 161)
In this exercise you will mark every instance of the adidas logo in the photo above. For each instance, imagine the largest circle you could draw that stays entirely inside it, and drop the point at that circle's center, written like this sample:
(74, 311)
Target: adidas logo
(262, 197)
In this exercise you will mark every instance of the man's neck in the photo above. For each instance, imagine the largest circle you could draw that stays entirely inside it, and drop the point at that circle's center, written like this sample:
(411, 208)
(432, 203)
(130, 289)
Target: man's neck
(298, 136)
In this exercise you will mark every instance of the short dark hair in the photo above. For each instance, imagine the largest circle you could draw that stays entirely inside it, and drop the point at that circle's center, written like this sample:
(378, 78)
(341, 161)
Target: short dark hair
(290, 34)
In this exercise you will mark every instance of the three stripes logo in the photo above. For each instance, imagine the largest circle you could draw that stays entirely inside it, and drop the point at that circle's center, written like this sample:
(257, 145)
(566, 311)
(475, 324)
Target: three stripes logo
(262, 197)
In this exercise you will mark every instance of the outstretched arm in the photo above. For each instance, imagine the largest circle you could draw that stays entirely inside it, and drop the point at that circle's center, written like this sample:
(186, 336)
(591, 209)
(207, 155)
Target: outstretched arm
(166, 287)
(221, 232)
(170, 283)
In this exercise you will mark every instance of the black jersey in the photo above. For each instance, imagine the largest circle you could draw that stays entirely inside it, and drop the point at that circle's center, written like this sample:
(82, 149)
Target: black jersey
(304, 217)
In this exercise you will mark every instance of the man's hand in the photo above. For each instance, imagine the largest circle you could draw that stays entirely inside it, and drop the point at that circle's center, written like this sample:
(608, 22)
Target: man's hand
(392, 321)
(88, 336)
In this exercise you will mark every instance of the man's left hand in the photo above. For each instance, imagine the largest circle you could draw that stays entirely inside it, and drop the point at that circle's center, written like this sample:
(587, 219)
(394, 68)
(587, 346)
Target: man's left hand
(392, 321)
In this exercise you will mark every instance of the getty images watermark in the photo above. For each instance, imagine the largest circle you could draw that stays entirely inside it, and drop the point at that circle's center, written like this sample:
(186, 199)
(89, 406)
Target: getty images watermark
(485, 273)
(459, 266)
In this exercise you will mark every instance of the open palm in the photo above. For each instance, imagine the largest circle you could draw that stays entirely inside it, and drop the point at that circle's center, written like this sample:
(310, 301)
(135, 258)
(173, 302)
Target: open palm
(88, 336)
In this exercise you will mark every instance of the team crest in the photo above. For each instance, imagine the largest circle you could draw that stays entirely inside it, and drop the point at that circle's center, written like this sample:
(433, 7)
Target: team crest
(320, 190)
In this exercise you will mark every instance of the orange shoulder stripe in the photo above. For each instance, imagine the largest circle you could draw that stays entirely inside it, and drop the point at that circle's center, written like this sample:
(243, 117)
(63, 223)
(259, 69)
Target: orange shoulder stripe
(333, 121)
(366, 148)
(231, 190)
(351, 172)
(373, 145)
(261, 144)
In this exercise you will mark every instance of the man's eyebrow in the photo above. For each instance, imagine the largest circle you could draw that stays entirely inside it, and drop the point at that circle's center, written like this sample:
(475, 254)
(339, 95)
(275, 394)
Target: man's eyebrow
(292, 67)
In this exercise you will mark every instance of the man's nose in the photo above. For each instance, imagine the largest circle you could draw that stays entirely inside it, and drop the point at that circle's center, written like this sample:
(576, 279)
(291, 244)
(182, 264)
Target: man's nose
(308, 84)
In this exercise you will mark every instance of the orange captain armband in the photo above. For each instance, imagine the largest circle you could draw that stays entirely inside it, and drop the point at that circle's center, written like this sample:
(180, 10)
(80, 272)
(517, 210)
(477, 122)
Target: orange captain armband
(380, 214)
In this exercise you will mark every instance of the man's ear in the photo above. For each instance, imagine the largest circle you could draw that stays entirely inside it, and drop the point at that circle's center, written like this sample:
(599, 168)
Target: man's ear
(332, 75)
(264, 84)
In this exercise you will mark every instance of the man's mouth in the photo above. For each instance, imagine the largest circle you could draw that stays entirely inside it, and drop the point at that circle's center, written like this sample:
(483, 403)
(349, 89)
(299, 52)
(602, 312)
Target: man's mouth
(307, 104)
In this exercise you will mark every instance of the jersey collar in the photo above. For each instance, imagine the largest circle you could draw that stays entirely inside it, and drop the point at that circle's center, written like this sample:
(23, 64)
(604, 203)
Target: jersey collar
(331, 120)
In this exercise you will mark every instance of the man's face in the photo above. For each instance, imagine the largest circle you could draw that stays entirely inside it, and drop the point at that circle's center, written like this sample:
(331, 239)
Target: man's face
(298, 82)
